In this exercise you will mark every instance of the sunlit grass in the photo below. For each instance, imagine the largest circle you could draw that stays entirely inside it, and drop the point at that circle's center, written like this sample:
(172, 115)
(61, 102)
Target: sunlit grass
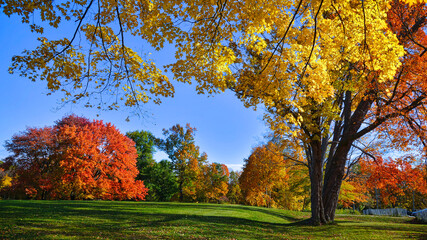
(147, 220)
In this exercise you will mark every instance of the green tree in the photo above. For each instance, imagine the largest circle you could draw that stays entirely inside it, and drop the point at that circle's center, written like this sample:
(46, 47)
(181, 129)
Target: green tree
(159, 177)
(145, 147)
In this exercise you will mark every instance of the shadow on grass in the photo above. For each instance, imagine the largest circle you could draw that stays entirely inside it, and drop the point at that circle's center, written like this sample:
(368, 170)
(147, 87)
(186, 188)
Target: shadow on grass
(284, 215)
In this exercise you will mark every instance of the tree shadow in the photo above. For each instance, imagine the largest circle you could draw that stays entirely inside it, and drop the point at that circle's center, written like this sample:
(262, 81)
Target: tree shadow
(227, 207)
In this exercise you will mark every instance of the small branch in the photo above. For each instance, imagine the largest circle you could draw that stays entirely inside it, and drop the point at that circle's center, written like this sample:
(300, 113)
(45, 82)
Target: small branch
(124, 54)
(314, 41)
(365, 152)
(283, 38)
(75, 32)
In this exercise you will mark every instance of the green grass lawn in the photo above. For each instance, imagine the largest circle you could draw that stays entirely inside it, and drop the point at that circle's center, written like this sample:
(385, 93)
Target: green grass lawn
(147, 220)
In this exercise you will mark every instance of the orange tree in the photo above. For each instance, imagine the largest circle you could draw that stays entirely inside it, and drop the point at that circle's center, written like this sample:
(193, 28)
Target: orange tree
(263, 173)
(215, 182)
(271, 179)
(75, 159)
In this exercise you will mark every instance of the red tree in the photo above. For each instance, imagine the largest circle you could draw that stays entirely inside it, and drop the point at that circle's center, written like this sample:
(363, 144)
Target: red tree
(75, 159)
(394, 181)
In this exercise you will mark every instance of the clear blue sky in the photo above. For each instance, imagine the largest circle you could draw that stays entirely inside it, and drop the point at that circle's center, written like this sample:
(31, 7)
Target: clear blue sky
(226, 130)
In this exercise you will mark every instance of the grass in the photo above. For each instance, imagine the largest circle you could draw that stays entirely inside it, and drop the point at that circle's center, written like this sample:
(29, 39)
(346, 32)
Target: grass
(148, 220)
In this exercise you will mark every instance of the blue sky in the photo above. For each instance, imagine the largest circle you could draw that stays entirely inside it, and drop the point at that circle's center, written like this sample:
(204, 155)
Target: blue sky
(226, 130)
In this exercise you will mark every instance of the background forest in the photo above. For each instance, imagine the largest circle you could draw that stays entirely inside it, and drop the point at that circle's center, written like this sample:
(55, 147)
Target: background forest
(82, 159)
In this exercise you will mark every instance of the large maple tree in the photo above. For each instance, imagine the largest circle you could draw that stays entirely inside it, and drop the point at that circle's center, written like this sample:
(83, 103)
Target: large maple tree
(75, 159)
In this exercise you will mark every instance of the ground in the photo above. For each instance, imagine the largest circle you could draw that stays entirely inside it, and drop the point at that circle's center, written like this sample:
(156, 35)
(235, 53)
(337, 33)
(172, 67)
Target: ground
(149, 220)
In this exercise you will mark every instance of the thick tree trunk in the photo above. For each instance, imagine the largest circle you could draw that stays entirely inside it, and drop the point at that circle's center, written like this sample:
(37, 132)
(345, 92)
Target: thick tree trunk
(325, 191)
(324, 197)
(317, 210)
(330, 199)
(316, 178)
(337, 159)
(334, 174)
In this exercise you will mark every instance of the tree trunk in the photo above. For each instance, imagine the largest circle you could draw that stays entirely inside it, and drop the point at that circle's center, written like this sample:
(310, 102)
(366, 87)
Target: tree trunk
(181, 195)
(324, 197)
(317, 210)
(316, 178)
(334, 174)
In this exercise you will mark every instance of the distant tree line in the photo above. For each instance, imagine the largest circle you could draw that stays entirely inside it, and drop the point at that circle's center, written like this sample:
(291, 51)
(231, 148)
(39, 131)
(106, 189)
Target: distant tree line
(82, 159)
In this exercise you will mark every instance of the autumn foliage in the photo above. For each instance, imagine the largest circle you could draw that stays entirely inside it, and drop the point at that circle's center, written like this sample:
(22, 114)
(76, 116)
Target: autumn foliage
(74, 159)
(5, 179)
(272, 180)
(264, 171)
(395, 182)
(186, 160)
(215, 182)
(353, 191)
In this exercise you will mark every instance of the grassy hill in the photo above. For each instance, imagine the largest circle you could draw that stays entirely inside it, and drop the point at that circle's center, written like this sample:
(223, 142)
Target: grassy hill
(148, 220)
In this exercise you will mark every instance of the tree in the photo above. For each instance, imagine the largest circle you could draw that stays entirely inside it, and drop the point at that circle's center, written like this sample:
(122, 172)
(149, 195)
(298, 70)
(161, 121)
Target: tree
(324, 70)
(263, 173)
(352, 193)
(186, 159)
(161, 181)
(234, 194)
(5, 178)
(75, 159)
(215, 182)
(144, 144)
(159, 177)
(273, 177)
(296, 194)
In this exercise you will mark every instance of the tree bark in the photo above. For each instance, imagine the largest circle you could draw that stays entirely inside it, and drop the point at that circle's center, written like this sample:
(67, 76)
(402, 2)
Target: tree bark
(317, 210)
(325, 190)
(333, 179)
(324, 206)
(316, 178)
